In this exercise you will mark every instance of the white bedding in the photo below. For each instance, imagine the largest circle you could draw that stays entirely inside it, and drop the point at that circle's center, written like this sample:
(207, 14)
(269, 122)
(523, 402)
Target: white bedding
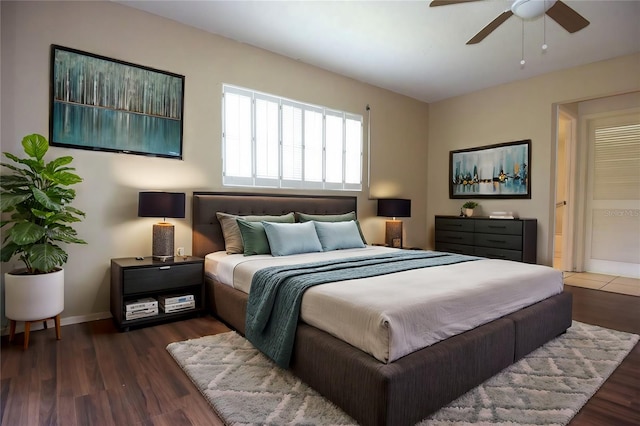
(393, 315)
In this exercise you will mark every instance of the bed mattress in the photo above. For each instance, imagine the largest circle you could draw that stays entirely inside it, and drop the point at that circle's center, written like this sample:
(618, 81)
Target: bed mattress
(393, 315)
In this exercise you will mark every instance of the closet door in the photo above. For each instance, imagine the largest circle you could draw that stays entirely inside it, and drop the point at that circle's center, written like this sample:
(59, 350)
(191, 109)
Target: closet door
(612, 225)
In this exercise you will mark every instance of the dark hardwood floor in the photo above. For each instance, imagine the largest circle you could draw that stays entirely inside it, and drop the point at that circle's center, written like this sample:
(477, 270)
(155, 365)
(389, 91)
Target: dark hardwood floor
(98, 376)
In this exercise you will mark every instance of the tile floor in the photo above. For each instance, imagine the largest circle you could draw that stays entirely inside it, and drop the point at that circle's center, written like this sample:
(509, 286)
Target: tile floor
(602, 282)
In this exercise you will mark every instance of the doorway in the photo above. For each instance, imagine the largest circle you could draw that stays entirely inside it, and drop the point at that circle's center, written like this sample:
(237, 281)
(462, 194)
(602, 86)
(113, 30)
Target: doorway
(597, 188)
(565, 170)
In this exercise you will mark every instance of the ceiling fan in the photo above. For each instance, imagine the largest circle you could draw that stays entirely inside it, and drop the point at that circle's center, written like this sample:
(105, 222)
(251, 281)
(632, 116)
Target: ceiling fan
(564, 15)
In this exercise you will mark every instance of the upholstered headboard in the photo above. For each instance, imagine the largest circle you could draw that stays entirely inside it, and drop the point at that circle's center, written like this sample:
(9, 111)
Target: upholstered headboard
(207, 233)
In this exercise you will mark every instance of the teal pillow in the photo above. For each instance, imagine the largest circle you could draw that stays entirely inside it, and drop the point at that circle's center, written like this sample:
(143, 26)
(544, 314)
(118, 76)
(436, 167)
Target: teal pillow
(304, 217)
(292, 238)
(338, 235)
(254, 238)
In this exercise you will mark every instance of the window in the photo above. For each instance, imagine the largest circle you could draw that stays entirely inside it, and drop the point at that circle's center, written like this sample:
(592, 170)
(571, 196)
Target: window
(268, 141)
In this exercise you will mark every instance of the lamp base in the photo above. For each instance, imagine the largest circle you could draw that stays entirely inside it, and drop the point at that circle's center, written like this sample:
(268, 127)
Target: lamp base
(393, 233)
(163, 241)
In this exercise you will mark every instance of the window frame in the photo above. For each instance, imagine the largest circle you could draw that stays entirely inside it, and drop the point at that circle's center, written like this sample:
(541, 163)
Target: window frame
(291, 183)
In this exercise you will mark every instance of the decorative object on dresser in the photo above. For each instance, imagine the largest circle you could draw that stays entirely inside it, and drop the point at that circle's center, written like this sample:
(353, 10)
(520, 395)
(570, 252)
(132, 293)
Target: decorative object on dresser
(468, 208)
(494, 171)
(495, 238)
(162, 204)
(147, 284)
(394, 207)
(36, 196)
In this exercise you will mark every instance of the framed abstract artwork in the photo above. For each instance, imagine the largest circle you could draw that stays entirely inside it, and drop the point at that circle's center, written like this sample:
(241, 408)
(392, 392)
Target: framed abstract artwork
(492, 171)
(104, 104)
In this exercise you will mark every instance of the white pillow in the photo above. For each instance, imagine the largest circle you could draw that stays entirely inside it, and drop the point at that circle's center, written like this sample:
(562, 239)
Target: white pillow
(292, 238)
(338, 235)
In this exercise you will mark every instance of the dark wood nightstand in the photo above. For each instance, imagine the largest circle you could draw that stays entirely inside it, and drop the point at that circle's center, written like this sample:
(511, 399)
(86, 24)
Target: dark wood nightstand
(133, 279)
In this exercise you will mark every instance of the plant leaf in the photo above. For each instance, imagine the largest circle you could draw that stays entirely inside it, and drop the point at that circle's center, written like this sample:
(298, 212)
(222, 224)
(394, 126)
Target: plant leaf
(35, 146)
(46, 257)
(7, 252)
(44, 199)
(26, 233)
(8, 201)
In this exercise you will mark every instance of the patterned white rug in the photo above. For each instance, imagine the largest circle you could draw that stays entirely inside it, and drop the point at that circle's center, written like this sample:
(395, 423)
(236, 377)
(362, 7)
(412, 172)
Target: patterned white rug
(547, 387)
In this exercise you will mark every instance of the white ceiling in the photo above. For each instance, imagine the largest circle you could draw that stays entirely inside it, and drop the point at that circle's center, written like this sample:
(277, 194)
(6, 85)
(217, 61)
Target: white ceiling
(411, 48)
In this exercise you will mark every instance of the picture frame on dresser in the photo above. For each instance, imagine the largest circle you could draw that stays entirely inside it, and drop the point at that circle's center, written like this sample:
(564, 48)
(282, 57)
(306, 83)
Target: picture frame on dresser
(103, 104)
(501, 170)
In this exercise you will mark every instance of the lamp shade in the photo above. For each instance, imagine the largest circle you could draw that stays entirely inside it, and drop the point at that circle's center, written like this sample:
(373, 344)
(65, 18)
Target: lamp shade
(161, 204)
(394, 207)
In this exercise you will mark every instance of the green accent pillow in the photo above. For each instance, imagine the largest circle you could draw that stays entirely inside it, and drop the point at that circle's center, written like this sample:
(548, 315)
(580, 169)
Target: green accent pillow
(345, 217)
(231, 232)
(254, 238)
(304, 217)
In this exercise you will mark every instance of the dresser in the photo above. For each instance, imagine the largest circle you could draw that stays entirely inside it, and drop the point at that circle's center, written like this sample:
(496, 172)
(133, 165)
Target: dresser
(510, 239)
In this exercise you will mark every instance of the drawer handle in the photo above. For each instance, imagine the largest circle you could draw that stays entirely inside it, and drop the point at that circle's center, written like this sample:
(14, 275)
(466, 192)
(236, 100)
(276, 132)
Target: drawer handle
(455, 238)
(497, 241)
(164, 267)
(497, 227)
(498, 256)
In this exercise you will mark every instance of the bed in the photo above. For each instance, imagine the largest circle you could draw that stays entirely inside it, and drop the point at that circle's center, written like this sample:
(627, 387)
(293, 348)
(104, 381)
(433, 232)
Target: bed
(374, 392)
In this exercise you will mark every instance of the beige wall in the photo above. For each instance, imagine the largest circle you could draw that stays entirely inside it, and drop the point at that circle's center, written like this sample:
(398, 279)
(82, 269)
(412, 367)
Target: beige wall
(516, 111)
(111, 181)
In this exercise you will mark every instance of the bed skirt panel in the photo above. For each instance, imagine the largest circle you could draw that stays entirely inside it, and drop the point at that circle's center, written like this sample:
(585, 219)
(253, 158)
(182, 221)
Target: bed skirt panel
(539, 323)
(405, 391)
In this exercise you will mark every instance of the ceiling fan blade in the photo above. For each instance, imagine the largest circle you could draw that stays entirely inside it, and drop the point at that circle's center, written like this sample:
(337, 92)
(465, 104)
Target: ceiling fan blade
(490, 27)
(568, 18)
(435, 3)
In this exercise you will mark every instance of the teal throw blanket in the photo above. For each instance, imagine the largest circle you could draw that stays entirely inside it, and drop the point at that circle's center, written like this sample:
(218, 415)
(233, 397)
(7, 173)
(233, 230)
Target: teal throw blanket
(276, 292)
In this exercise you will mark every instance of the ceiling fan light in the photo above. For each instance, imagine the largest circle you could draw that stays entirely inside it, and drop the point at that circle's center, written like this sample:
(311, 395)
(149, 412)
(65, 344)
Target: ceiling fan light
(530, 9)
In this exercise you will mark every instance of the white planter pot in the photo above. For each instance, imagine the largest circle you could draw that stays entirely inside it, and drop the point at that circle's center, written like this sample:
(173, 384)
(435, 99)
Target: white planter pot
(33, 297)
(468, 212)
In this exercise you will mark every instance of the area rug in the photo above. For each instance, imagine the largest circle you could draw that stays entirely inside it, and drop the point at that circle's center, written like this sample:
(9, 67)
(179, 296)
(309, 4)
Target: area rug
(547, 387)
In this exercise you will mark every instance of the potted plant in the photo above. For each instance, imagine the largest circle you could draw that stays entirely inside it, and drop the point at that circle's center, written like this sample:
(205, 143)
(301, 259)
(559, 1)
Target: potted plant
(468, 208)
(36, 195)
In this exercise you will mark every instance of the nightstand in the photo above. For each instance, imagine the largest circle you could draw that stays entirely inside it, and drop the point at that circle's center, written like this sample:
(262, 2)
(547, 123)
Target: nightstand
(133, 279)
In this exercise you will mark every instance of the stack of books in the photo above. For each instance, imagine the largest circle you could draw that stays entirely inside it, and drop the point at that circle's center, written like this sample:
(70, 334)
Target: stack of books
(502, 215)
(178, 303)
(140, 308)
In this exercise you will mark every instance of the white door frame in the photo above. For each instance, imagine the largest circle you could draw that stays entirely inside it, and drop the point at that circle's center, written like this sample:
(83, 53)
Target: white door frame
(569, 211)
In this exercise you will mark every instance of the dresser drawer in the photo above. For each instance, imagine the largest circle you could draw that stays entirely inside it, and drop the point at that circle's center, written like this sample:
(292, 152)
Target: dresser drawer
(455, 248)
(452, 224)
(159, 278)
(505, 241)
(504, 226)
(496, 253)
(454, 237)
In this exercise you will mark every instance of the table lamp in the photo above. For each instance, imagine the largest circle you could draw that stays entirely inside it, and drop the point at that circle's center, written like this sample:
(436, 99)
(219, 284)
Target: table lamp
(394, 207)
(164, 205)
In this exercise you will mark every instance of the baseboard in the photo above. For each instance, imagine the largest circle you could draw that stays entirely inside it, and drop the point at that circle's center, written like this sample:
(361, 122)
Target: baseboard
(63, 321)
